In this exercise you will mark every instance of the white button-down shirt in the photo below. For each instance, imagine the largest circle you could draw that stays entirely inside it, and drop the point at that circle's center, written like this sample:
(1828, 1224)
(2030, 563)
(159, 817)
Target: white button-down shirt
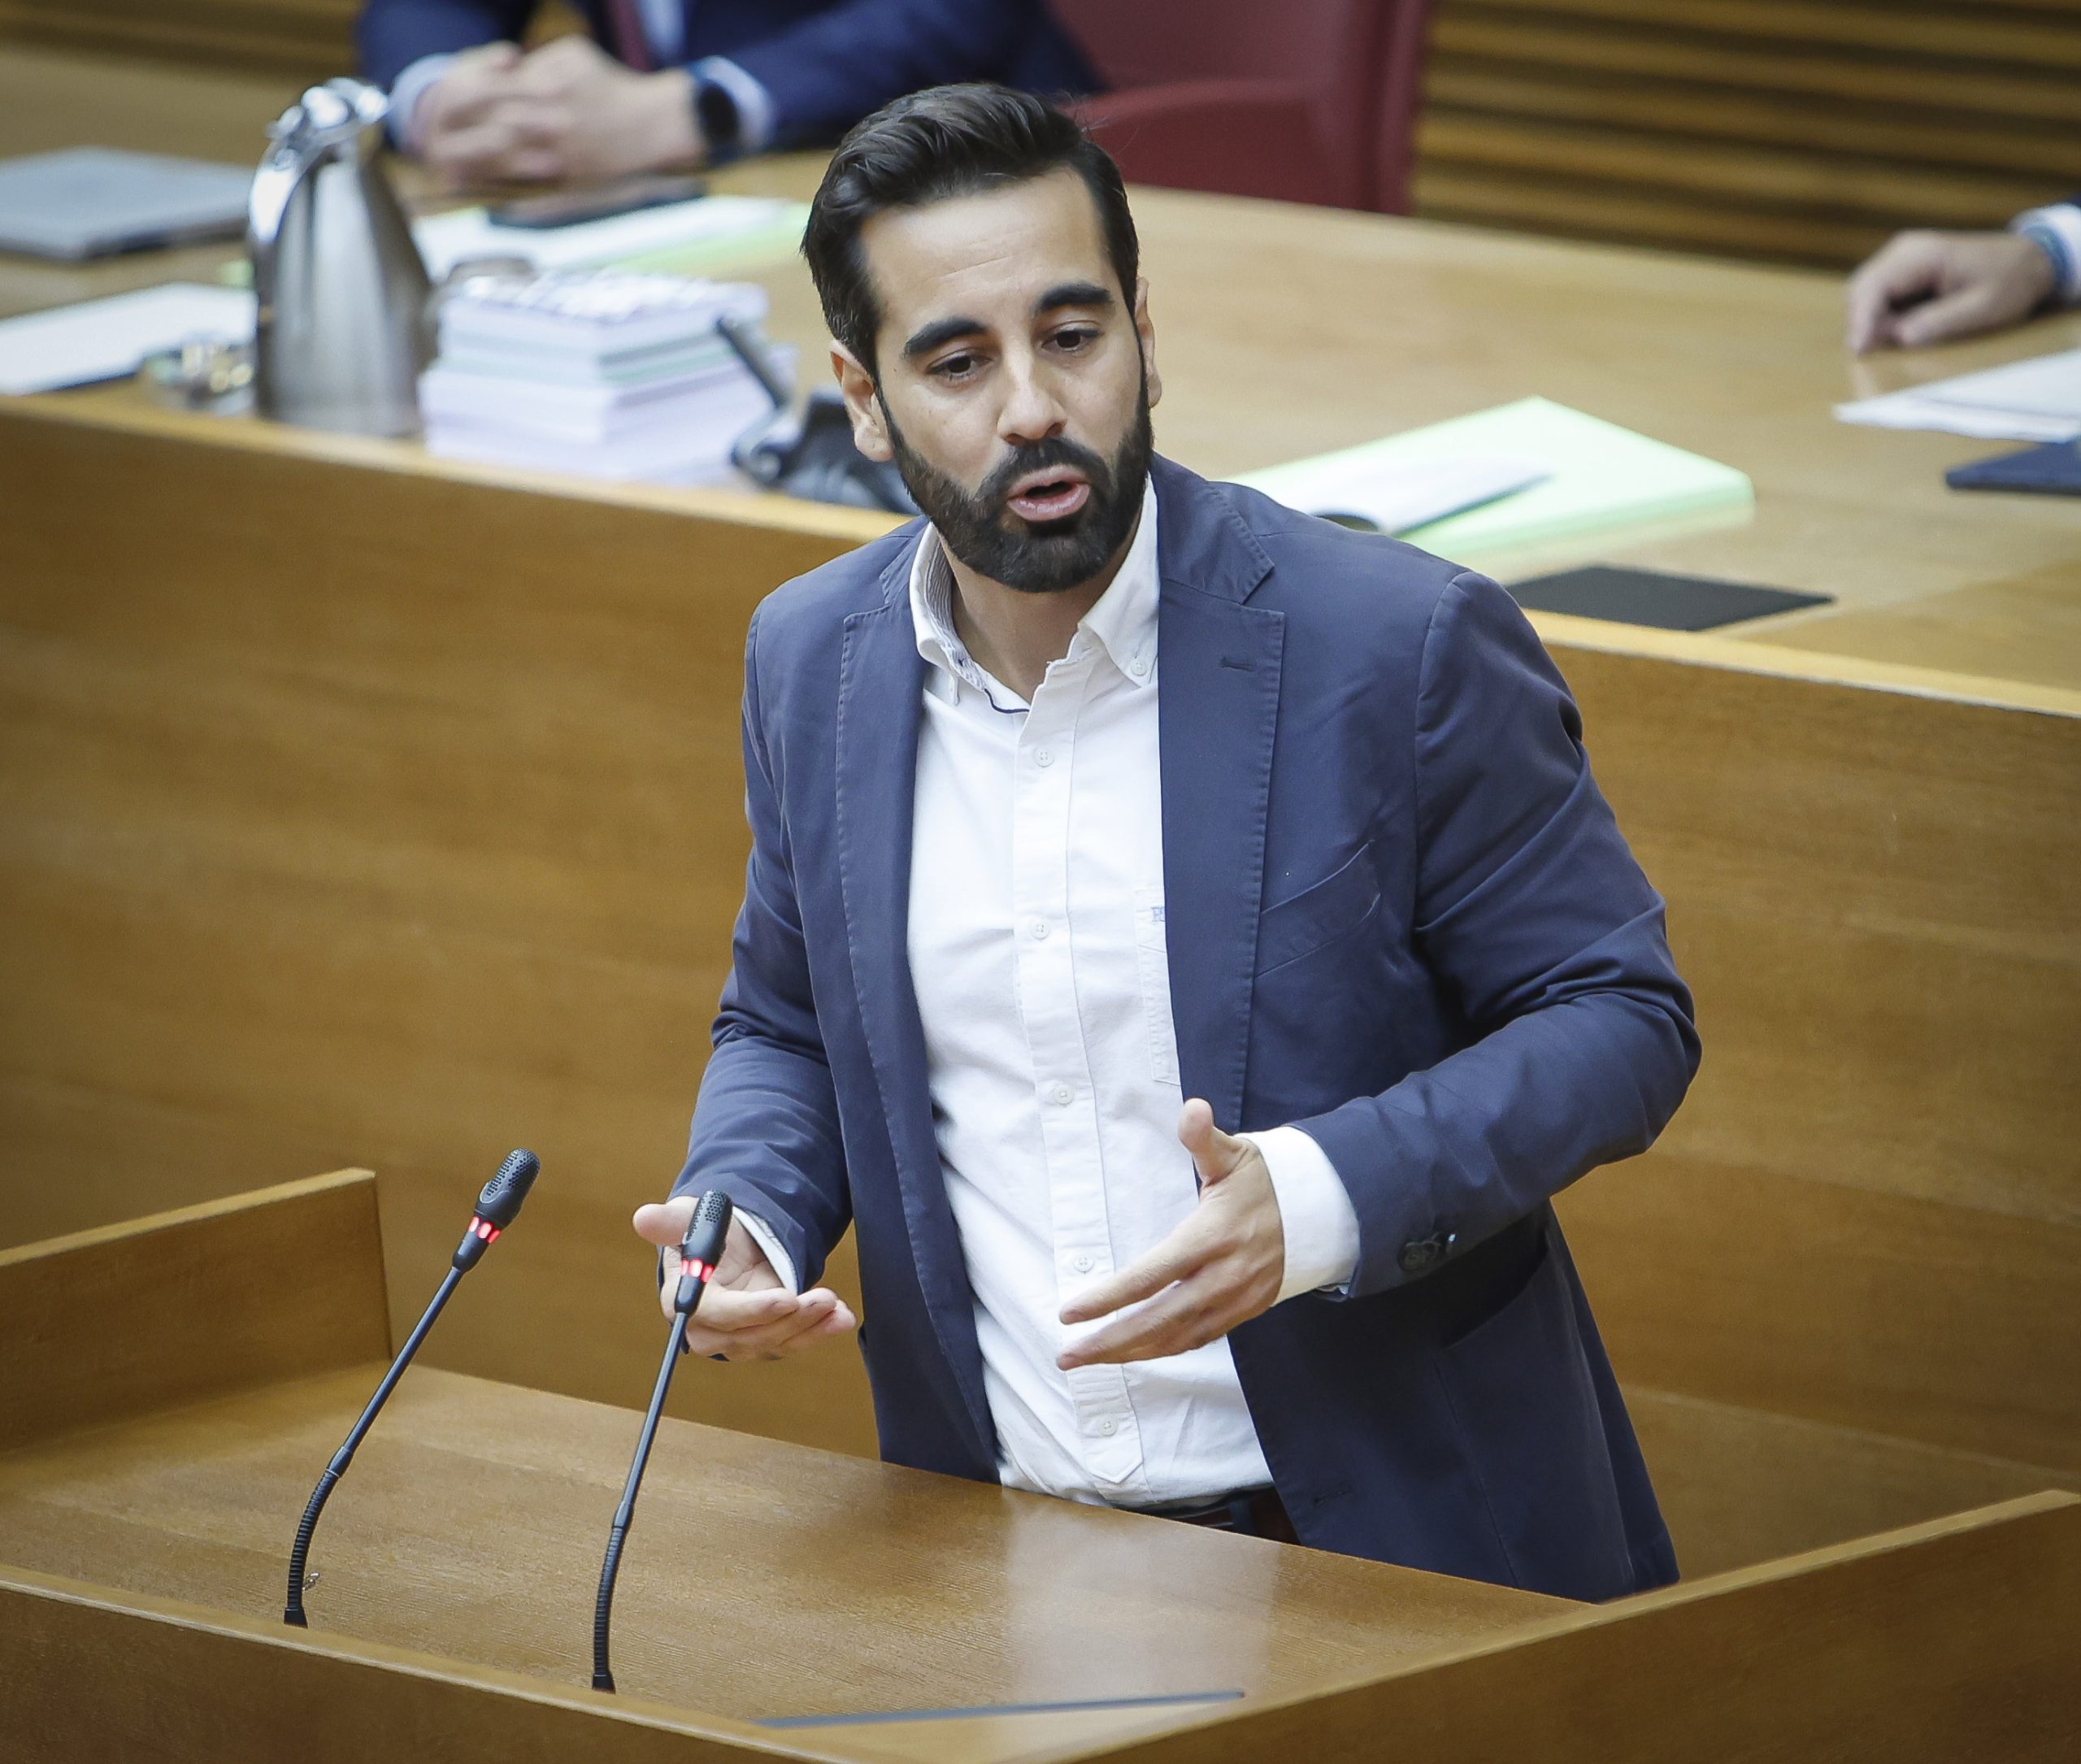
(1038, 955)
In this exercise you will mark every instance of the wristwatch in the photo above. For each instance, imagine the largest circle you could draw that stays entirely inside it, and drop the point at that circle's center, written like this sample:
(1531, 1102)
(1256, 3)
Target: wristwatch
(716, 112)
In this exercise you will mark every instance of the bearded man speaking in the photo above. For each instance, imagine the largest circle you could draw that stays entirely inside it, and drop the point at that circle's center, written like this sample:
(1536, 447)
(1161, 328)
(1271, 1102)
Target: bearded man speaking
(1183, 937)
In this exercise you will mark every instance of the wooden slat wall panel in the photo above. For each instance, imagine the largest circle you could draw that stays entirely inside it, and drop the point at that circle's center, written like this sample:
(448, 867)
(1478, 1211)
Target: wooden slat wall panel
(303, 40)
(1806, 130)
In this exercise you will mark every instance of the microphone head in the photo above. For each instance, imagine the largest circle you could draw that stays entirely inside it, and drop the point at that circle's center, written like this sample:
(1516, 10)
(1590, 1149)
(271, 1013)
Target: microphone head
(499, 1203)
(708, 1228)
(713, 1209)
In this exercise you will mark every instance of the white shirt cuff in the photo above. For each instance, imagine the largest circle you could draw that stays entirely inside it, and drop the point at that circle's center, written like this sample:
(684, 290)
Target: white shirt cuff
(406, 92)
(754, 103)
(761, 1234)
(1314, 1211)
(2057, 228)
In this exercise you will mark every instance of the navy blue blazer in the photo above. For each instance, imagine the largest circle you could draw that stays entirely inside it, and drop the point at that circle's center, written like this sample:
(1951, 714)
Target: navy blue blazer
(825, 63)
(1400, 915)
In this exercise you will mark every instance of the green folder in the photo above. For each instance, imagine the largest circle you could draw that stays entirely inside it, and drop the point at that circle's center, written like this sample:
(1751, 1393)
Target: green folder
(1603, 477)
(773, 241)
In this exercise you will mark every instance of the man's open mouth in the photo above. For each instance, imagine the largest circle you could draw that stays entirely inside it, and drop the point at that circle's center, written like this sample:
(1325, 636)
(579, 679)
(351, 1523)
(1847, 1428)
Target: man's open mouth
(1046, 496)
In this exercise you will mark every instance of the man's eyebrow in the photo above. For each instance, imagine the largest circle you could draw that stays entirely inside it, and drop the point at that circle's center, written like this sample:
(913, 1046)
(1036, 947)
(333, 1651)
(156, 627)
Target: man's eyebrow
(941, 332)
(926, 338)
(1073, 294)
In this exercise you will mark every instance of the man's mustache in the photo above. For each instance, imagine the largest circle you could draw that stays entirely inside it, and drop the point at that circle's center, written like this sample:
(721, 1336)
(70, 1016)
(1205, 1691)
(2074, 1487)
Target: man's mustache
(1039, 456)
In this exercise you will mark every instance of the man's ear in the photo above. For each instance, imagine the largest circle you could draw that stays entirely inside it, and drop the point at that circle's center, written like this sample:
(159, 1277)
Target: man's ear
(856, 385)
(1146, 331)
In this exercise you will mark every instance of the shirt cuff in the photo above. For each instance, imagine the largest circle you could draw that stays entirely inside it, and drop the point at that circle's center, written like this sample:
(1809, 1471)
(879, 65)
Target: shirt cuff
(2057, 230)
(761, 1234)
(1321, 1225)
(406, 92)
(754, 103)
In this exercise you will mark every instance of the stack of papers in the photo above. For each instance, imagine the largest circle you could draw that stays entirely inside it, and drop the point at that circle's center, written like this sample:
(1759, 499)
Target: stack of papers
(603, 373)
(708, 236)
(1518, 474)
(2038, 400)
(107, 339)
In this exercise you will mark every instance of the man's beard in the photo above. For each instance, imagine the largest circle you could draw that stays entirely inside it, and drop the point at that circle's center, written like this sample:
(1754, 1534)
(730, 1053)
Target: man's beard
(1035, 557)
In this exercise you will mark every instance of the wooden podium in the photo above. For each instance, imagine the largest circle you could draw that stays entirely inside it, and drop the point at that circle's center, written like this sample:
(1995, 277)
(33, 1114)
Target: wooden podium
(171, 1388)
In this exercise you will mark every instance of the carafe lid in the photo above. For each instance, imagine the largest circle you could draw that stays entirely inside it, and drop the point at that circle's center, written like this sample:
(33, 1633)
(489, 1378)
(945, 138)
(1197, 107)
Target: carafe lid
(328, 115)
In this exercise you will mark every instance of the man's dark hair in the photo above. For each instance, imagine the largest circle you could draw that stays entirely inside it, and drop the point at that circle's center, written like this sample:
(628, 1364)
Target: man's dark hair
(949, 141)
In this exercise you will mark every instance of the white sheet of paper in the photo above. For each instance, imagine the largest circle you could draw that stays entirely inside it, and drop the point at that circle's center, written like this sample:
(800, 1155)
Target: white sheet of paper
(445, 240)
(1397, 498)
(107, 339)
(2037, 400)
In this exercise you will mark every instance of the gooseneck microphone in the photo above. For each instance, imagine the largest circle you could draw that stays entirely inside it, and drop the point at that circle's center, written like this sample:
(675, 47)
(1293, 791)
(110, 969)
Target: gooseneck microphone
(699, 1250)
(498, 1206)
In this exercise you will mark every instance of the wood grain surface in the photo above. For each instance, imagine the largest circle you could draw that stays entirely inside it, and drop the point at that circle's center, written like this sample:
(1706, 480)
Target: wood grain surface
(762, 1580)
(1951, 1643)
(1801, 129)
(178, 1307)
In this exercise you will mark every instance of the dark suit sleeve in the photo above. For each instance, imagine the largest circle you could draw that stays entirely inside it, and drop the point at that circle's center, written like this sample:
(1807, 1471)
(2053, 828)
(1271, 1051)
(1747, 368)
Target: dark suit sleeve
(392, 34)
(1545, 936)
(765, 1125)
(830, 69)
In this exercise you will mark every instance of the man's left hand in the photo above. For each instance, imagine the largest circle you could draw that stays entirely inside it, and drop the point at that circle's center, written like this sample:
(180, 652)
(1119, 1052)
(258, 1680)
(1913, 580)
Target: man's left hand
(1223, 1266)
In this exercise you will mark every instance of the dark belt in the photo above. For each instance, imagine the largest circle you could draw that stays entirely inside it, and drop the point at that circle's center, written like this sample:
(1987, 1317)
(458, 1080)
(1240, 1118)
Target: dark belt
(1253, 1512)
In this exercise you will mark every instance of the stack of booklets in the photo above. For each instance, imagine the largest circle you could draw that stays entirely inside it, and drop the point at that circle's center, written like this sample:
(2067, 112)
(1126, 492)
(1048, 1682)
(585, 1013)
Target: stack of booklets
(610, 373)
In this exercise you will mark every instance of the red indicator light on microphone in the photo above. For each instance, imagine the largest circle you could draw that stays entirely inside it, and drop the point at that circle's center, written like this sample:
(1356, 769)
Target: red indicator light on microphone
(699, 1269)
(485, 1230)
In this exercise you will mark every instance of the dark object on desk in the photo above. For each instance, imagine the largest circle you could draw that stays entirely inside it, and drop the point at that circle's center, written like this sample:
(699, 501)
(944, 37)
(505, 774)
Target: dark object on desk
(2053, 469)
(571, 208)
(1650, 597)
(811, 455)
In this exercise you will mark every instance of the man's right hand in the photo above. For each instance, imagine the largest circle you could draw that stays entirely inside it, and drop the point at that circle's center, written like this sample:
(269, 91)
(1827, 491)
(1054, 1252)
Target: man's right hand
(1923, 288)
(746, 1313)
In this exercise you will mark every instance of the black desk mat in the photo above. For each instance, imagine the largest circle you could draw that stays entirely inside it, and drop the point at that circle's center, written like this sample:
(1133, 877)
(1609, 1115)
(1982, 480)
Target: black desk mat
(1650, 597)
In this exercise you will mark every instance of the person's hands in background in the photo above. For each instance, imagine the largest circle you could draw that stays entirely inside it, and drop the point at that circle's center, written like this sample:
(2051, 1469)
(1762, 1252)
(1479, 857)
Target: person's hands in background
(567, 112)
(1922, 288)
(746, 1313)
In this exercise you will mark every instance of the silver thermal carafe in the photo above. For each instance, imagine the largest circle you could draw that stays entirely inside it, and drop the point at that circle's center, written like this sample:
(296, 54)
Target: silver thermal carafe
(342, 333)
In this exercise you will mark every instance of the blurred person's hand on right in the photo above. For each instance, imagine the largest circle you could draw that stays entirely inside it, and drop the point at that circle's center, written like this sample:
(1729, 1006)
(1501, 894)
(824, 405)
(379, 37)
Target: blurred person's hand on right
(1923, 288)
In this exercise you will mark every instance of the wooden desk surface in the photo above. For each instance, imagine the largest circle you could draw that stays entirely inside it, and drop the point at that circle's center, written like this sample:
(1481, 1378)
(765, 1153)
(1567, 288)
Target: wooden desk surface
(783, 1601)
(1285, 331)
(762, 1580)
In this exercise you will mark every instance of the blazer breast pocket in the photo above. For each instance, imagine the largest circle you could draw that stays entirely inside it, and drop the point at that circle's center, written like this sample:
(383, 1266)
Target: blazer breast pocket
(1321, 913)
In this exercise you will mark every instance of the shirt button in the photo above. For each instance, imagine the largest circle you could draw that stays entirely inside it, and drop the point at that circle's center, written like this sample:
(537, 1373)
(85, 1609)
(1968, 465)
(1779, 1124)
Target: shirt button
(1062, 1095)
(1138, 666)
(1044, 756)
(1108, 1427)
(1039, 927)
(1082, 1264)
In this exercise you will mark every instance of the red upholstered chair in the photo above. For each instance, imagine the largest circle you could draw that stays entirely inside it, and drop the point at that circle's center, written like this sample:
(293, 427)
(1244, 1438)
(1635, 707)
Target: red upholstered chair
(1398, 102)
(1253, 98)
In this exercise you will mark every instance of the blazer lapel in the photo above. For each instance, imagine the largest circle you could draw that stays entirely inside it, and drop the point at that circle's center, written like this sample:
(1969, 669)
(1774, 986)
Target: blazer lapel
(1218, 663)
(881, 680)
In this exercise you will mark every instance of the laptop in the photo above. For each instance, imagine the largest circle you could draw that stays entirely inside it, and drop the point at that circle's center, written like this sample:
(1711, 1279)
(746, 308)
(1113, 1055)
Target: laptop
(89, 201)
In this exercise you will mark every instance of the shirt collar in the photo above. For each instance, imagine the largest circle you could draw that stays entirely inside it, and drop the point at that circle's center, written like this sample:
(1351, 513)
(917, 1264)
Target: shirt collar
(1122, 624)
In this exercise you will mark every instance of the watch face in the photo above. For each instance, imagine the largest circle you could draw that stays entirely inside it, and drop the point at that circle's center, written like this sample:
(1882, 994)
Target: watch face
(717, 113)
